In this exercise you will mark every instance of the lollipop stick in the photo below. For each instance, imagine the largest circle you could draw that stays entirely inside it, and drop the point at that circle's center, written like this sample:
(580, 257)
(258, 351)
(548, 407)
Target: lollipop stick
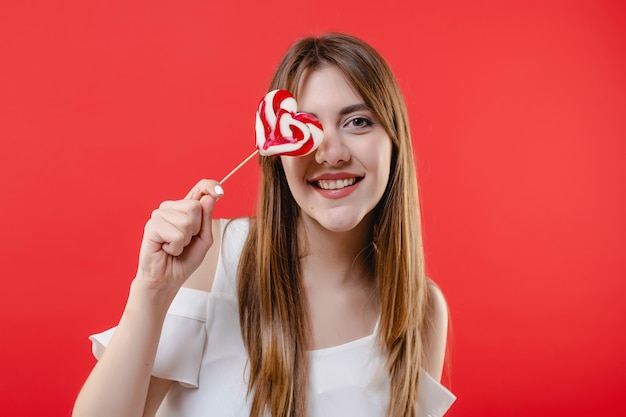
(239, 166)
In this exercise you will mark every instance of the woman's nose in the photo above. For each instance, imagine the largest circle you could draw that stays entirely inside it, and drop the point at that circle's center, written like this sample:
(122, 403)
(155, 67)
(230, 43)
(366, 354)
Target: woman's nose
(332, 151)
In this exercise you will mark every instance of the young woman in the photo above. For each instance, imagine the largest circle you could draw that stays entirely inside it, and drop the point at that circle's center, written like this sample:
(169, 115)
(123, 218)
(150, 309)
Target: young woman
(317, 307)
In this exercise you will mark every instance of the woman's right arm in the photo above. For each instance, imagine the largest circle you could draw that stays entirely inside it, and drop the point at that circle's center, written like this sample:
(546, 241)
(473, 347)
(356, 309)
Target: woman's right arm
(176, 240)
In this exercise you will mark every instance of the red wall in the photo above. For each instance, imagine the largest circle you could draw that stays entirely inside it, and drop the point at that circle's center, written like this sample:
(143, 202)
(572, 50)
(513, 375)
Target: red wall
(518, 114)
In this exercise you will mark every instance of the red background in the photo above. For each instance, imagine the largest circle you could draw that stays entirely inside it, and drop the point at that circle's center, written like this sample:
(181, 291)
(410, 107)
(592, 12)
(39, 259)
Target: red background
(518, 112)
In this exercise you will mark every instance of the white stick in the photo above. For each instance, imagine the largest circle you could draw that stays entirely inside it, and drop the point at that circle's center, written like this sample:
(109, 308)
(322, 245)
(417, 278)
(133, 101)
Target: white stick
(239, 166)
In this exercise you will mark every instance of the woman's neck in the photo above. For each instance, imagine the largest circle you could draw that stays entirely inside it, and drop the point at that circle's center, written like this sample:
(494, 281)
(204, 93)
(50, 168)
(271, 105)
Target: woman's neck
(336, 257)
(338, 281)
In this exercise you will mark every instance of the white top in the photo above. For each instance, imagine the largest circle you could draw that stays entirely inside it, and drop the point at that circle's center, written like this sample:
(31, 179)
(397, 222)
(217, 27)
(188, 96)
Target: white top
(201, 348)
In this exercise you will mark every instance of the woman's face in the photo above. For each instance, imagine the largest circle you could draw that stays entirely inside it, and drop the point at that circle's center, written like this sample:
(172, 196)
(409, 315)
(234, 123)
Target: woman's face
(340, 183)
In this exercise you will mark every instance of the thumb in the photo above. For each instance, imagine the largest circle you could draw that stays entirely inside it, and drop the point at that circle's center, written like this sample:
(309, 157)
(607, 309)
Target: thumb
(208, 204)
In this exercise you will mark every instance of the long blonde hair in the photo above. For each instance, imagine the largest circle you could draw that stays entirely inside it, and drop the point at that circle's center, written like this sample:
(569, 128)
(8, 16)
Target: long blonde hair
(273, 313)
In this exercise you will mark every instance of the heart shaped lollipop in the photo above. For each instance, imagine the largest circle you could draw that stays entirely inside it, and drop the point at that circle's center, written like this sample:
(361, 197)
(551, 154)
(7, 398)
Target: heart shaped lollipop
(281, 130)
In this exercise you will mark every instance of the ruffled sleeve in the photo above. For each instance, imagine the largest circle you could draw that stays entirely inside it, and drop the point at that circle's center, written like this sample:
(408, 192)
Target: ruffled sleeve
(179, 355)
(434, 399)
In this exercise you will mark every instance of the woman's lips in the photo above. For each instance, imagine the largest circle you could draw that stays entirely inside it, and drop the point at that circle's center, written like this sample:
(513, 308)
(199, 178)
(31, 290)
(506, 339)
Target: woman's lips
(335, 185)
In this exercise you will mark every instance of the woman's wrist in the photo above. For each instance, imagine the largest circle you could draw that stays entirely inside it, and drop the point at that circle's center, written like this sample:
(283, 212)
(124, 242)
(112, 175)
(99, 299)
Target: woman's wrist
(146, 298)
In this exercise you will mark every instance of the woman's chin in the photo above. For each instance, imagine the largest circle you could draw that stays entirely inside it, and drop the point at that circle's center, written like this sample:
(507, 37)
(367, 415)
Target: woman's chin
(340, 222)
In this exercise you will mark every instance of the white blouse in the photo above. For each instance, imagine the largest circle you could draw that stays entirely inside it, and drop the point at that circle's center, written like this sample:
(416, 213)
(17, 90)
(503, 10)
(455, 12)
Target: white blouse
(202, 349)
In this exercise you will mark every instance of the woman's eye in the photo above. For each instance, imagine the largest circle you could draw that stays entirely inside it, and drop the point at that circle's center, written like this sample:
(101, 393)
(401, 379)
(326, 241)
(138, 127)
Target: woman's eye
(359, 122)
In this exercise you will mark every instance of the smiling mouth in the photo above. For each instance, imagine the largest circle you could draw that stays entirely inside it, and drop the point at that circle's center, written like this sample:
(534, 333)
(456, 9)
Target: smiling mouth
(336, 184)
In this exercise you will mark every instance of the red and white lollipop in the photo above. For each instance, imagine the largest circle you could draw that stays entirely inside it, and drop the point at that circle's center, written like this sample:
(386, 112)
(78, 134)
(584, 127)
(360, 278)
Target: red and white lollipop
(281, 130)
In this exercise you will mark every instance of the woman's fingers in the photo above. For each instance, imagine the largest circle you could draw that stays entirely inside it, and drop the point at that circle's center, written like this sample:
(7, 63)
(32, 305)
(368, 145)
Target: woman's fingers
(205, 187)
(184, 214)
(172, 235)
(175, 223)
(207, 192)
(171, 238)
(207, 203)
(179, 233)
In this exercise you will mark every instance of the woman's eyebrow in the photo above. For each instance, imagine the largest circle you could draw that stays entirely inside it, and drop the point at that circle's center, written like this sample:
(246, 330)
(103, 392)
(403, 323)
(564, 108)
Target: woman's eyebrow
(353, 108)
(348, 109)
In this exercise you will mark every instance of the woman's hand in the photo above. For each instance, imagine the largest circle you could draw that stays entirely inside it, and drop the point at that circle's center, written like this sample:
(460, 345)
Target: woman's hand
(177, 237)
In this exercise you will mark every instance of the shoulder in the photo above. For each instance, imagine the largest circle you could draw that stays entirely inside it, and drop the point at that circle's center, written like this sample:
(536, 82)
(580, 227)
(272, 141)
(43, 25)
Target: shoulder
(437, 334)
(225, 232)
(437, 302)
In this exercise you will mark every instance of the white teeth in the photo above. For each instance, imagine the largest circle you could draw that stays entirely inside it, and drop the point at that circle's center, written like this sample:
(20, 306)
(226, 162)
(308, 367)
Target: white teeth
(335, 184)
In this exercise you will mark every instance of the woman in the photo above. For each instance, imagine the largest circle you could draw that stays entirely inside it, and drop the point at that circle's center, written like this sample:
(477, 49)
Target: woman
(319, 306)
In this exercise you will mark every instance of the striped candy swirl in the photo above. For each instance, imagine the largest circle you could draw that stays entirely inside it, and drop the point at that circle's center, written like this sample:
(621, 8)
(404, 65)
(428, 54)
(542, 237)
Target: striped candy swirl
(280, 130)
